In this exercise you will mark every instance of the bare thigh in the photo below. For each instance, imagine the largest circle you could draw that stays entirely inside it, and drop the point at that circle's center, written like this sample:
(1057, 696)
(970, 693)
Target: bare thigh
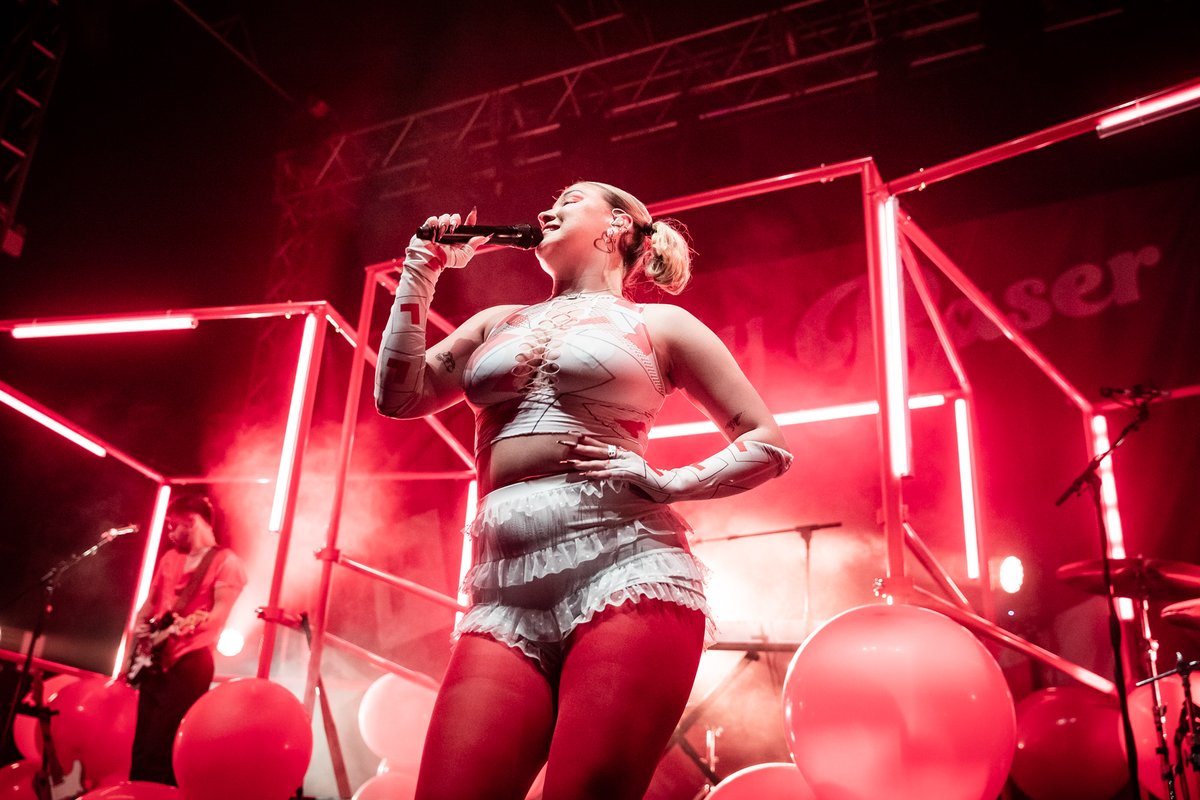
(625, 682)
(491, 725)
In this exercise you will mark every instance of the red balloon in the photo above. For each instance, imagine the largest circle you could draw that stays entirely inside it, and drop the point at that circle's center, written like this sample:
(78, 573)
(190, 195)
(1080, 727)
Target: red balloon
(112, 717)
(899, 702)
(27, 731)
(248, 739)
(1141, 717)
(16, 780)
(388, 786)
(1070, 745)
(135, 790)
(79, 716)
(764, 782)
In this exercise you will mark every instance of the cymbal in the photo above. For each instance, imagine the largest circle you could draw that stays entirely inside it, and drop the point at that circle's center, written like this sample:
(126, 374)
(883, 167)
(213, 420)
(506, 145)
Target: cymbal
(1139, 578)
(1185, 613)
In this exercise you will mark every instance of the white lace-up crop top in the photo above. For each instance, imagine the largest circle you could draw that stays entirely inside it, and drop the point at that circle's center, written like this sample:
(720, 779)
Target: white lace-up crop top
(573, 363)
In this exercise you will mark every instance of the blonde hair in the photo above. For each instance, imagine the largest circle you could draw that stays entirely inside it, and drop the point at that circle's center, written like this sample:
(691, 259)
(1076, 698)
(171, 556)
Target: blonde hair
(658, 249)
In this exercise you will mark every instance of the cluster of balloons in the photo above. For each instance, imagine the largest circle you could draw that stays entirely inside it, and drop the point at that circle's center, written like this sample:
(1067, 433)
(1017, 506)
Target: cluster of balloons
(93, 725)
(248, 739)
(393, 718)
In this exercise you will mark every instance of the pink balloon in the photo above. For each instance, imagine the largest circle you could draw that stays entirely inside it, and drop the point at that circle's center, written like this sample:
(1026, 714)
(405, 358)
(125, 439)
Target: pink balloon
(899, 702)
(1141, 717)
(112, 717)
(764, 782)
(1070, 745)
(27, 733)
(393, 718)
(16, 780)
(135, 790)
(248, 739)
(388, 786)
(79, 717)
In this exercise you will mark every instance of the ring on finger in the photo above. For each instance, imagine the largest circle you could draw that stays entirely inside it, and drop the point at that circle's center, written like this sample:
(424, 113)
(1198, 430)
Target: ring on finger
(612, 451)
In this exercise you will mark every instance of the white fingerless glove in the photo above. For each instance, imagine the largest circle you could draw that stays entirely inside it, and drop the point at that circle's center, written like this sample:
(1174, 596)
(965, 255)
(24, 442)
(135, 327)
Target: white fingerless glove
(400, 370)
(740, 466)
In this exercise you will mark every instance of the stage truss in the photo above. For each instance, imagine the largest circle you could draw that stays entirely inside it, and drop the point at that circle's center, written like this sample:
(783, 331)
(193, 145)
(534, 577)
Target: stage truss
(891, 236)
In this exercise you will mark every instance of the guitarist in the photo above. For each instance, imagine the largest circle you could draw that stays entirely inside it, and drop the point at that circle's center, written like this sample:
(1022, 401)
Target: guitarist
(195, 575)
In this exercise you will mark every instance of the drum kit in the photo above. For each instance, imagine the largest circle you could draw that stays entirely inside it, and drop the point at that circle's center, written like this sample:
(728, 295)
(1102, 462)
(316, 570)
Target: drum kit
(1146, 580)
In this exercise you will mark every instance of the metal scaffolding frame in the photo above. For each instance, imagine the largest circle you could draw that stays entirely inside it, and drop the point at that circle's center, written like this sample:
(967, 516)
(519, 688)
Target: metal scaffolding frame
(891, 236)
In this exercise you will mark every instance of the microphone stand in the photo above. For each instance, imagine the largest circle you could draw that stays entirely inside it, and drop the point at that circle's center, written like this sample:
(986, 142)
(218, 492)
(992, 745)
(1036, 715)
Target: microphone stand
(806, 532)
(49, 583)
(1091, 479)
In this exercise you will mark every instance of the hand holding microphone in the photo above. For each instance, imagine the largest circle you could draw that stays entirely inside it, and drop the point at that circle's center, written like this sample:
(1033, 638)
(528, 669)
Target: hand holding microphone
(436, 244)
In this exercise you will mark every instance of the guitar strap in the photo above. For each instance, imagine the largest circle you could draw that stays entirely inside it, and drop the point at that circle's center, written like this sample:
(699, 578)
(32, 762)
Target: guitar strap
(193, 586)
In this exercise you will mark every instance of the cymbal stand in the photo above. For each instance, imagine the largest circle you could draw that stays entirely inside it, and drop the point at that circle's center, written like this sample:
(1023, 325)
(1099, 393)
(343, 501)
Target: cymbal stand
(1187, 719)
(1090, 478)
(806, 532)
(1187, 723)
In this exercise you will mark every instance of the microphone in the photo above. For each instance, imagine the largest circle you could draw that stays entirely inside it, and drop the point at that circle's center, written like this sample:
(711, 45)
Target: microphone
(524, 236)
(113, 533)
(1136, 392)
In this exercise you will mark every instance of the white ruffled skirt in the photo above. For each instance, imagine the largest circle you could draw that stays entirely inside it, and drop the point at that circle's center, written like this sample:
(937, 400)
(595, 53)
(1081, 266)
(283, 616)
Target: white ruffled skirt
(550, 553)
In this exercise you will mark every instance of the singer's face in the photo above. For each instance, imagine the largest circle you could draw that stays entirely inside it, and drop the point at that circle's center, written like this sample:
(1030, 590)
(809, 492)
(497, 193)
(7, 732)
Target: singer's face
(579, 216)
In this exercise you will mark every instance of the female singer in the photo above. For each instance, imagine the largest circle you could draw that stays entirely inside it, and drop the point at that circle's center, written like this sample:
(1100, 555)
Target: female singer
(587, 616)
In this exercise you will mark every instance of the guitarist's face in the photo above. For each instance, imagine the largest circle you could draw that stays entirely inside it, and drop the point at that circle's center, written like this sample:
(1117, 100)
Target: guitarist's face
(181, 530)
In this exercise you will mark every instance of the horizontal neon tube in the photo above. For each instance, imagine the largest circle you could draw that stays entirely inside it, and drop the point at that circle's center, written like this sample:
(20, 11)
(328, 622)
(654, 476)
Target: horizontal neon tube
(826, 414)
(1141, 112)
(39, 330)
(53, 424)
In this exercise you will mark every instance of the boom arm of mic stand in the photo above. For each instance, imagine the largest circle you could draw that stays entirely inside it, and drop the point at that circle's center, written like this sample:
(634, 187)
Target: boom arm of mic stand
(804, 530)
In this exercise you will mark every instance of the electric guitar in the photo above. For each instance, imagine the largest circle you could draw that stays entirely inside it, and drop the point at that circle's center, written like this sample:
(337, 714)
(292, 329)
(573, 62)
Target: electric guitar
(147, 650)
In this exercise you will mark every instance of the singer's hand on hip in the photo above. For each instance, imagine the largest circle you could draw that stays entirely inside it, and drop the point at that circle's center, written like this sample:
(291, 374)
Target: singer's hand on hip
(594, 458)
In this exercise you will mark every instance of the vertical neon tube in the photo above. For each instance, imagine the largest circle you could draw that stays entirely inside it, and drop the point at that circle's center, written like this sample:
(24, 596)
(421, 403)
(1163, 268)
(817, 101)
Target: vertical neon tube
(291, 435)
(966, 481)
(146, 573)
(465, 563)
(895, 344)
(1108, 503)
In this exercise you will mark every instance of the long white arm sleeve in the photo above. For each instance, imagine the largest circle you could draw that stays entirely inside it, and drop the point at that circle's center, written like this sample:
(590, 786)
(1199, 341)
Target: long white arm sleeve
(400, 371)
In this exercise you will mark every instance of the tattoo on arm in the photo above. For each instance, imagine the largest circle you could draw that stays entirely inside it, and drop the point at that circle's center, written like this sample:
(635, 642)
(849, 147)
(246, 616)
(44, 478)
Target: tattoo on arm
(447, 359)
(734, 423)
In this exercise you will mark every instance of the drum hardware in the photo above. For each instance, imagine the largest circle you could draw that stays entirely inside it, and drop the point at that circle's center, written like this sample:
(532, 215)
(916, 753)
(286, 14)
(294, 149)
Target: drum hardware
(1089, 478)
(1187, 729)
(1185, 614)
(806, 532)
(1141, 580)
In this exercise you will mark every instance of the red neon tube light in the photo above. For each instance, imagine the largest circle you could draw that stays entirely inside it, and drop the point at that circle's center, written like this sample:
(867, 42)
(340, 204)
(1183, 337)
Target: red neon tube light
(894, 340)
(88, 327)
(966, 481)
(42, 417)
(1149, 109)
(291, 436)
(802, 417)
(1108, 503)
(146, 573)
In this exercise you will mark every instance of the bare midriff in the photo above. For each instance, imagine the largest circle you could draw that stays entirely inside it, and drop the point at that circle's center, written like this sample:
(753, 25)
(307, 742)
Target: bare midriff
(521, 458)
